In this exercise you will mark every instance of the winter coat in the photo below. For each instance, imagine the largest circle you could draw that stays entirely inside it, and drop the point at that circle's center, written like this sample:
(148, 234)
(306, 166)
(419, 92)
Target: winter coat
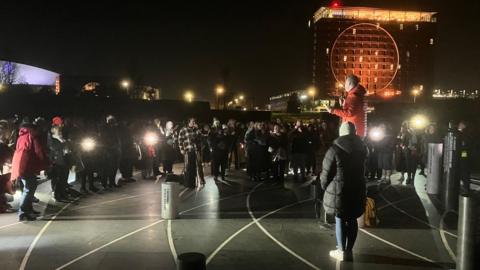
(299, 141)
(30, 155)
(343, 179)
(353, 109)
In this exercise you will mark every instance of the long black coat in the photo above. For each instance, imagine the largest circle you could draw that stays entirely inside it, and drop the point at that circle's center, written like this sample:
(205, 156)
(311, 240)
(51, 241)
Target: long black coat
(343, 179)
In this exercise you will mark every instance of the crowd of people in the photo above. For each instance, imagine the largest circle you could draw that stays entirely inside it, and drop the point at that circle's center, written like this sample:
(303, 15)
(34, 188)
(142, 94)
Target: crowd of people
(341, 159)
(94, 152)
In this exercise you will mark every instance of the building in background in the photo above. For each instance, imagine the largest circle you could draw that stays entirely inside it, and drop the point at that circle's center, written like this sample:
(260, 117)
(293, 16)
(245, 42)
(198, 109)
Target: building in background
(21, 76)
(390, 50)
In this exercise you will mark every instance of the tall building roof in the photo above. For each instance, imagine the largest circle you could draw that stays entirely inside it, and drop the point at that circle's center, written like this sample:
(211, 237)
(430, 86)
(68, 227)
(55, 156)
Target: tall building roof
(373, 14)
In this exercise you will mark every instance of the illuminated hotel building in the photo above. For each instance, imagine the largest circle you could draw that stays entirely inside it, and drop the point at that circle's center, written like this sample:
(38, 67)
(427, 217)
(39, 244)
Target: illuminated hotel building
(390, 50)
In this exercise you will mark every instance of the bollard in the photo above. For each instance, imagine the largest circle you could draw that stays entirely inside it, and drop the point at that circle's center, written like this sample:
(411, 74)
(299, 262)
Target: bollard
(434, 168)
(169, 200)
(191, 261)
(466, 233)
(450, 167)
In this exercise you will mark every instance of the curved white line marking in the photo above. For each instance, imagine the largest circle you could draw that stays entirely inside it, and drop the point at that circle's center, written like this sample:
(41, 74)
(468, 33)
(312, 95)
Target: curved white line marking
(444, 239)
(136, 231)
(397, 247)
(37, 238)
(108, 244)
(255, 220)
(395, 202)
(170, 241)
(86, 206)
(415, 218)
(222, 245)
(222, 199)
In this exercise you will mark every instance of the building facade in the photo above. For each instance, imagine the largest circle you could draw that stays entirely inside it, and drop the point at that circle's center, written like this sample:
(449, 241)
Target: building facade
(391, 51)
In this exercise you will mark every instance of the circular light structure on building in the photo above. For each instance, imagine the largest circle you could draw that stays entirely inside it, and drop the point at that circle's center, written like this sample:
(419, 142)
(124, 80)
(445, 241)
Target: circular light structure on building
(367, 51)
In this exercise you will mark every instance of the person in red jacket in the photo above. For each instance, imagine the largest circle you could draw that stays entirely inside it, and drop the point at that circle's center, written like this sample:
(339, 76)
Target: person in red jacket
(29, 159)
(353, 107)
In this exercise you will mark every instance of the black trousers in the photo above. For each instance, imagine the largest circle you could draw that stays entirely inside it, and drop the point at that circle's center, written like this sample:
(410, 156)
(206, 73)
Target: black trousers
(86, 176)
(219, 163)
(110, 168)
(278, 169)
(167, 166)
(234, 155)
(59, 176)
(126, 167)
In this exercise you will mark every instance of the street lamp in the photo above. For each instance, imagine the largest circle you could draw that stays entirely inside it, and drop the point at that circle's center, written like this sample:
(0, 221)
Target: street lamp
(415, 93)
(126, 85)
(219, 91)
(188, 96)
(241, 97)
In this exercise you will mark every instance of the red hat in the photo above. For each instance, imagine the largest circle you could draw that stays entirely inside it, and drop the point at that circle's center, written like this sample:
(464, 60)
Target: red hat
(57, 121)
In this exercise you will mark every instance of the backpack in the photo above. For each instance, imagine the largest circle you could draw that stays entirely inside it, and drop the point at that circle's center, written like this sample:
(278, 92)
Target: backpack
(371, 218)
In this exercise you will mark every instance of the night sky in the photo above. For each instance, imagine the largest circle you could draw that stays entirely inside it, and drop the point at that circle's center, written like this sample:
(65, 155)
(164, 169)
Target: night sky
(262, 45)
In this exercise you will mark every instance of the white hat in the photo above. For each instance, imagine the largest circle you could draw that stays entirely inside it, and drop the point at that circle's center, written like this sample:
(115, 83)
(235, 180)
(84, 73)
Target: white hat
(347, 128)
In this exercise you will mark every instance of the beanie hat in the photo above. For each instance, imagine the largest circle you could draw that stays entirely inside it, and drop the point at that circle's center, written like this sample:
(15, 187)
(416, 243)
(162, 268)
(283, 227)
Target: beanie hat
(347, 128)
(57, 121)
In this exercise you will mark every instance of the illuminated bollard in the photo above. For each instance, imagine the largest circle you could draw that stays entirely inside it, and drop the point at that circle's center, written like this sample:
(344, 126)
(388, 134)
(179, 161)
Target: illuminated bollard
(169, 200)
(466, 233)
(434, 168)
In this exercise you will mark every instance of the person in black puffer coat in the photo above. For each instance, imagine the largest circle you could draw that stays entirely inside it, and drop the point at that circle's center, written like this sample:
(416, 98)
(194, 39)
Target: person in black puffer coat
(343, 180)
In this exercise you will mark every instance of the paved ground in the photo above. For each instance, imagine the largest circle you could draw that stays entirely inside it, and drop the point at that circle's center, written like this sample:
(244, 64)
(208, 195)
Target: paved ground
(237, 225)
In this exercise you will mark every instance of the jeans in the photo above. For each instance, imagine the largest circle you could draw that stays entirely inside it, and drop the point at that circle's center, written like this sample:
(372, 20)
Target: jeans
(298, 163)
(346, 231)
(26, 201)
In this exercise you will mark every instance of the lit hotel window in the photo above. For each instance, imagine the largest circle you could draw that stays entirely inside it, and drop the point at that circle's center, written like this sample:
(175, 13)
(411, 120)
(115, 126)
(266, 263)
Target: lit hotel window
(417, 27)
(375, 79)
(408, 53)
(354, 31)
(391, 67)
(376, 66)
(431, 41)
(376, 53)
(401, 26)
(360, 59)
(327, 50)
(344, 58)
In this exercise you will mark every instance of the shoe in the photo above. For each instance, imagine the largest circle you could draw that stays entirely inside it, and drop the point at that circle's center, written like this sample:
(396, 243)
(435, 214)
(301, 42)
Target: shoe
(348, 255)
(35, 200)
(26, 217)
(337, 254)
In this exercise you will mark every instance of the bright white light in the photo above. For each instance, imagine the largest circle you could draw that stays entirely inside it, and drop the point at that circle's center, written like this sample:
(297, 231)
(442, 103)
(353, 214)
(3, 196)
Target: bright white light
(151, 138)
(376, 134)
(303, 97)
(419, 121)
(125, 84)
(88, 144)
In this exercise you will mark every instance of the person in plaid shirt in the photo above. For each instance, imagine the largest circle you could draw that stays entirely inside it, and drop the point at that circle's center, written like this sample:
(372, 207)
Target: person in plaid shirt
(189, 141)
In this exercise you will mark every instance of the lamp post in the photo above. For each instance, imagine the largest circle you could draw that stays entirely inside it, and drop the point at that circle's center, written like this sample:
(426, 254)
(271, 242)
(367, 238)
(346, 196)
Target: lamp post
(312, 92)
(126, 85)
(219, 91)
(415, 93)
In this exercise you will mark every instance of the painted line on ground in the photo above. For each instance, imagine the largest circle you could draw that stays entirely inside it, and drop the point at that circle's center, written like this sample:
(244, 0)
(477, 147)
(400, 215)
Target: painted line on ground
(134, 232)
(235, 234)
(396, 202)
(170, 241)
(444, 239)
(254, 219)
(222, 199)
(108, 244)
(397, 246)
(37, 238)
(415, 218)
